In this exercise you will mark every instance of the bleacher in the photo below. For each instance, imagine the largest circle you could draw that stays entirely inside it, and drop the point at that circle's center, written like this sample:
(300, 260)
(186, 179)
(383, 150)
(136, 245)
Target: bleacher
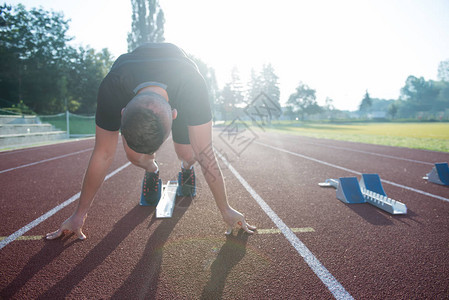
(16, 130)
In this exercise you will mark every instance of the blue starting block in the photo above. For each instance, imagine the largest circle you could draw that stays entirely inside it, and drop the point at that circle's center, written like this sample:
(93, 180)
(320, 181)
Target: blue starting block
(369, 190)
(349, 191)
(372, 182)
(439, 174)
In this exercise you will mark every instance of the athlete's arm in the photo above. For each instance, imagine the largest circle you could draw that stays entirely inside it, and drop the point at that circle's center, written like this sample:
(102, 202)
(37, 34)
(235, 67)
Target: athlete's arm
(201, 141)
(100, 160)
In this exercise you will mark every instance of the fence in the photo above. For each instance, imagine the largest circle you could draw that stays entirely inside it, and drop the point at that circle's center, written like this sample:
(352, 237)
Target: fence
(75, 125)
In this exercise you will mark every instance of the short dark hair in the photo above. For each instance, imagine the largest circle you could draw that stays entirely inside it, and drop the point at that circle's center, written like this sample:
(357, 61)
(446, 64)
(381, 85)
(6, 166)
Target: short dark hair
(146, 122)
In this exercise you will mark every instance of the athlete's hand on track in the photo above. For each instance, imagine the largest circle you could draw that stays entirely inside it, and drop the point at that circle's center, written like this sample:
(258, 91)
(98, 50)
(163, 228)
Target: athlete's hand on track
(72, 224)
(233, 218)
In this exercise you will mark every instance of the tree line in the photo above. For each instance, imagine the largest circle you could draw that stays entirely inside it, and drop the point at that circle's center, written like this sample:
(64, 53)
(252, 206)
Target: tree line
(40, 72)
(419, 98)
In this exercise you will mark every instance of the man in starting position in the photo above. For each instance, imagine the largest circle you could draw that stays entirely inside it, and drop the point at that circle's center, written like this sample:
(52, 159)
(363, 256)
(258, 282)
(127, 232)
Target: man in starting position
(149, 92)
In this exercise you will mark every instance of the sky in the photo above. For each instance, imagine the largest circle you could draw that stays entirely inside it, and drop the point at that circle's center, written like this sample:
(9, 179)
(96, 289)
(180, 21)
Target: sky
(339, 48)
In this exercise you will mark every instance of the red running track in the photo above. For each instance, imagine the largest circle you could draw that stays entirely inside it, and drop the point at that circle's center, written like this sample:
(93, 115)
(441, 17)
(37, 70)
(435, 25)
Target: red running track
(346, 251)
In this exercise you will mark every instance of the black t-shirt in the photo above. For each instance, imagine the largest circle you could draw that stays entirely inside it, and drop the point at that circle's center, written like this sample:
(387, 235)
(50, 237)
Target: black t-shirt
(159, 64)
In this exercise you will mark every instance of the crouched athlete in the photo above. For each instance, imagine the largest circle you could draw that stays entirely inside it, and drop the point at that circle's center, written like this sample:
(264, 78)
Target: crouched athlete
(148, 93)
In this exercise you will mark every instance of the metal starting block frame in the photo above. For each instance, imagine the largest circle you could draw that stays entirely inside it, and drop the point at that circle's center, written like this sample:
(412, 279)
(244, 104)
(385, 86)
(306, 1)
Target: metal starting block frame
(370, 190)
(164, 208)
(439, 174)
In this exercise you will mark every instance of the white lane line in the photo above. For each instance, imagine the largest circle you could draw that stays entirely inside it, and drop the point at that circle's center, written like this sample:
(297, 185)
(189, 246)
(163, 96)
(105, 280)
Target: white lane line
(277, 230)
(45, 160)
(353, 171)
(323, 274)
(372, 153)
(25, 238)
(51, 212)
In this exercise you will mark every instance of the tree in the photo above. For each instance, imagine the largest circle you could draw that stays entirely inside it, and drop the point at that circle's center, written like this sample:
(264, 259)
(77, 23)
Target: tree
(366, 103)
(392, 110)
(85, 72)
(255, 86)
(236, 87)
(33, 54)
(329, 104)
(40, 69)
(419, 95)
(304, 101)
(289, 112)
(267, 82)
(270, 84)
(231, 96)
(226, 102)
(264, 95)
(418, 92)
(441, 102)
(147, 23)
(443, 71)
(329, 107)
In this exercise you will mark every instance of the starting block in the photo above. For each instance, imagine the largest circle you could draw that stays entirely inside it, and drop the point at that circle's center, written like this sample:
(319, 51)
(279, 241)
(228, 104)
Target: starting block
(371, 182)
(164, 208)
(370, 190)
(439, 174)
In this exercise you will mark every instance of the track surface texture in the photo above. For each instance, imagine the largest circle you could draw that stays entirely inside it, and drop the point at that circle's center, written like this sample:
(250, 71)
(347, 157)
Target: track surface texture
(343, 251)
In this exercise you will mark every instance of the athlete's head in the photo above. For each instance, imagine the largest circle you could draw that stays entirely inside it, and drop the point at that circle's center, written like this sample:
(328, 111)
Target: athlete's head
(146, 122)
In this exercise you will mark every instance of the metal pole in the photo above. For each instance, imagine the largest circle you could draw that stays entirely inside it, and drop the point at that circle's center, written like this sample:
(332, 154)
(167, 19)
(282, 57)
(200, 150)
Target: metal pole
(68, 123)
(67, 118)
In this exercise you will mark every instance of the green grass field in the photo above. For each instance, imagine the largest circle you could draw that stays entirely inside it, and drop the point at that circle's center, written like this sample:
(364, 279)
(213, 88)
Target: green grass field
(430, 136)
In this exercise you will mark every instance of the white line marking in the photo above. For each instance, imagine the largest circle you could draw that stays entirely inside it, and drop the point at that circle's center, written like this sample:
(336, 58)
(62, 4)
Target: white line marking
(51, 212)
(323, 274)
(277, 230)
(25, 238)
(45, 160)
(372, 153)
(353, 171)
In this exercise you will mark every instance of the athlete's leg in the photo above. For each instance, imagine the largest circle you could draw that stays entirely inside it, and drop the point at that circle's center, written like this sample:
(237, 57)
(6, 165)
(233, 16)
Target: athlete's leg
(185, 154)
(181, 141)
(186, 178)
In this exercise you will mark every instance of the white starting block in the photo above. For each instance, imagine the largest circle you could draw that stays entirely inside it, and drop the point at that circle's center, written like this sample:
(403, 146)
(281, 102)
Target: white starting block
(439, 174)
(369, 190)
(164, 208)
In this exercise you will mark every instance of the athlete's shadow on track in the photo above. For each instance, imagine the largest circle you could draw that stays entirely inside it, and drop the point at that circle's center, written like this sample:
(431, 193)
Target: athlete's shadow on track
(52, 249)
(143, 281)
(44, 257)
(145, 275)
(95, 257)
(231, 253)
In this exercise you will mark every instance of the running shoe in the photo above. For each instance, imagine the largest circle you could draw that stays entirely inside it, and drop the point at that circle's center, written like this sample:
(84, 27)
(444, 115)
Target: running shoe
(151, 189)
(186, 183)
